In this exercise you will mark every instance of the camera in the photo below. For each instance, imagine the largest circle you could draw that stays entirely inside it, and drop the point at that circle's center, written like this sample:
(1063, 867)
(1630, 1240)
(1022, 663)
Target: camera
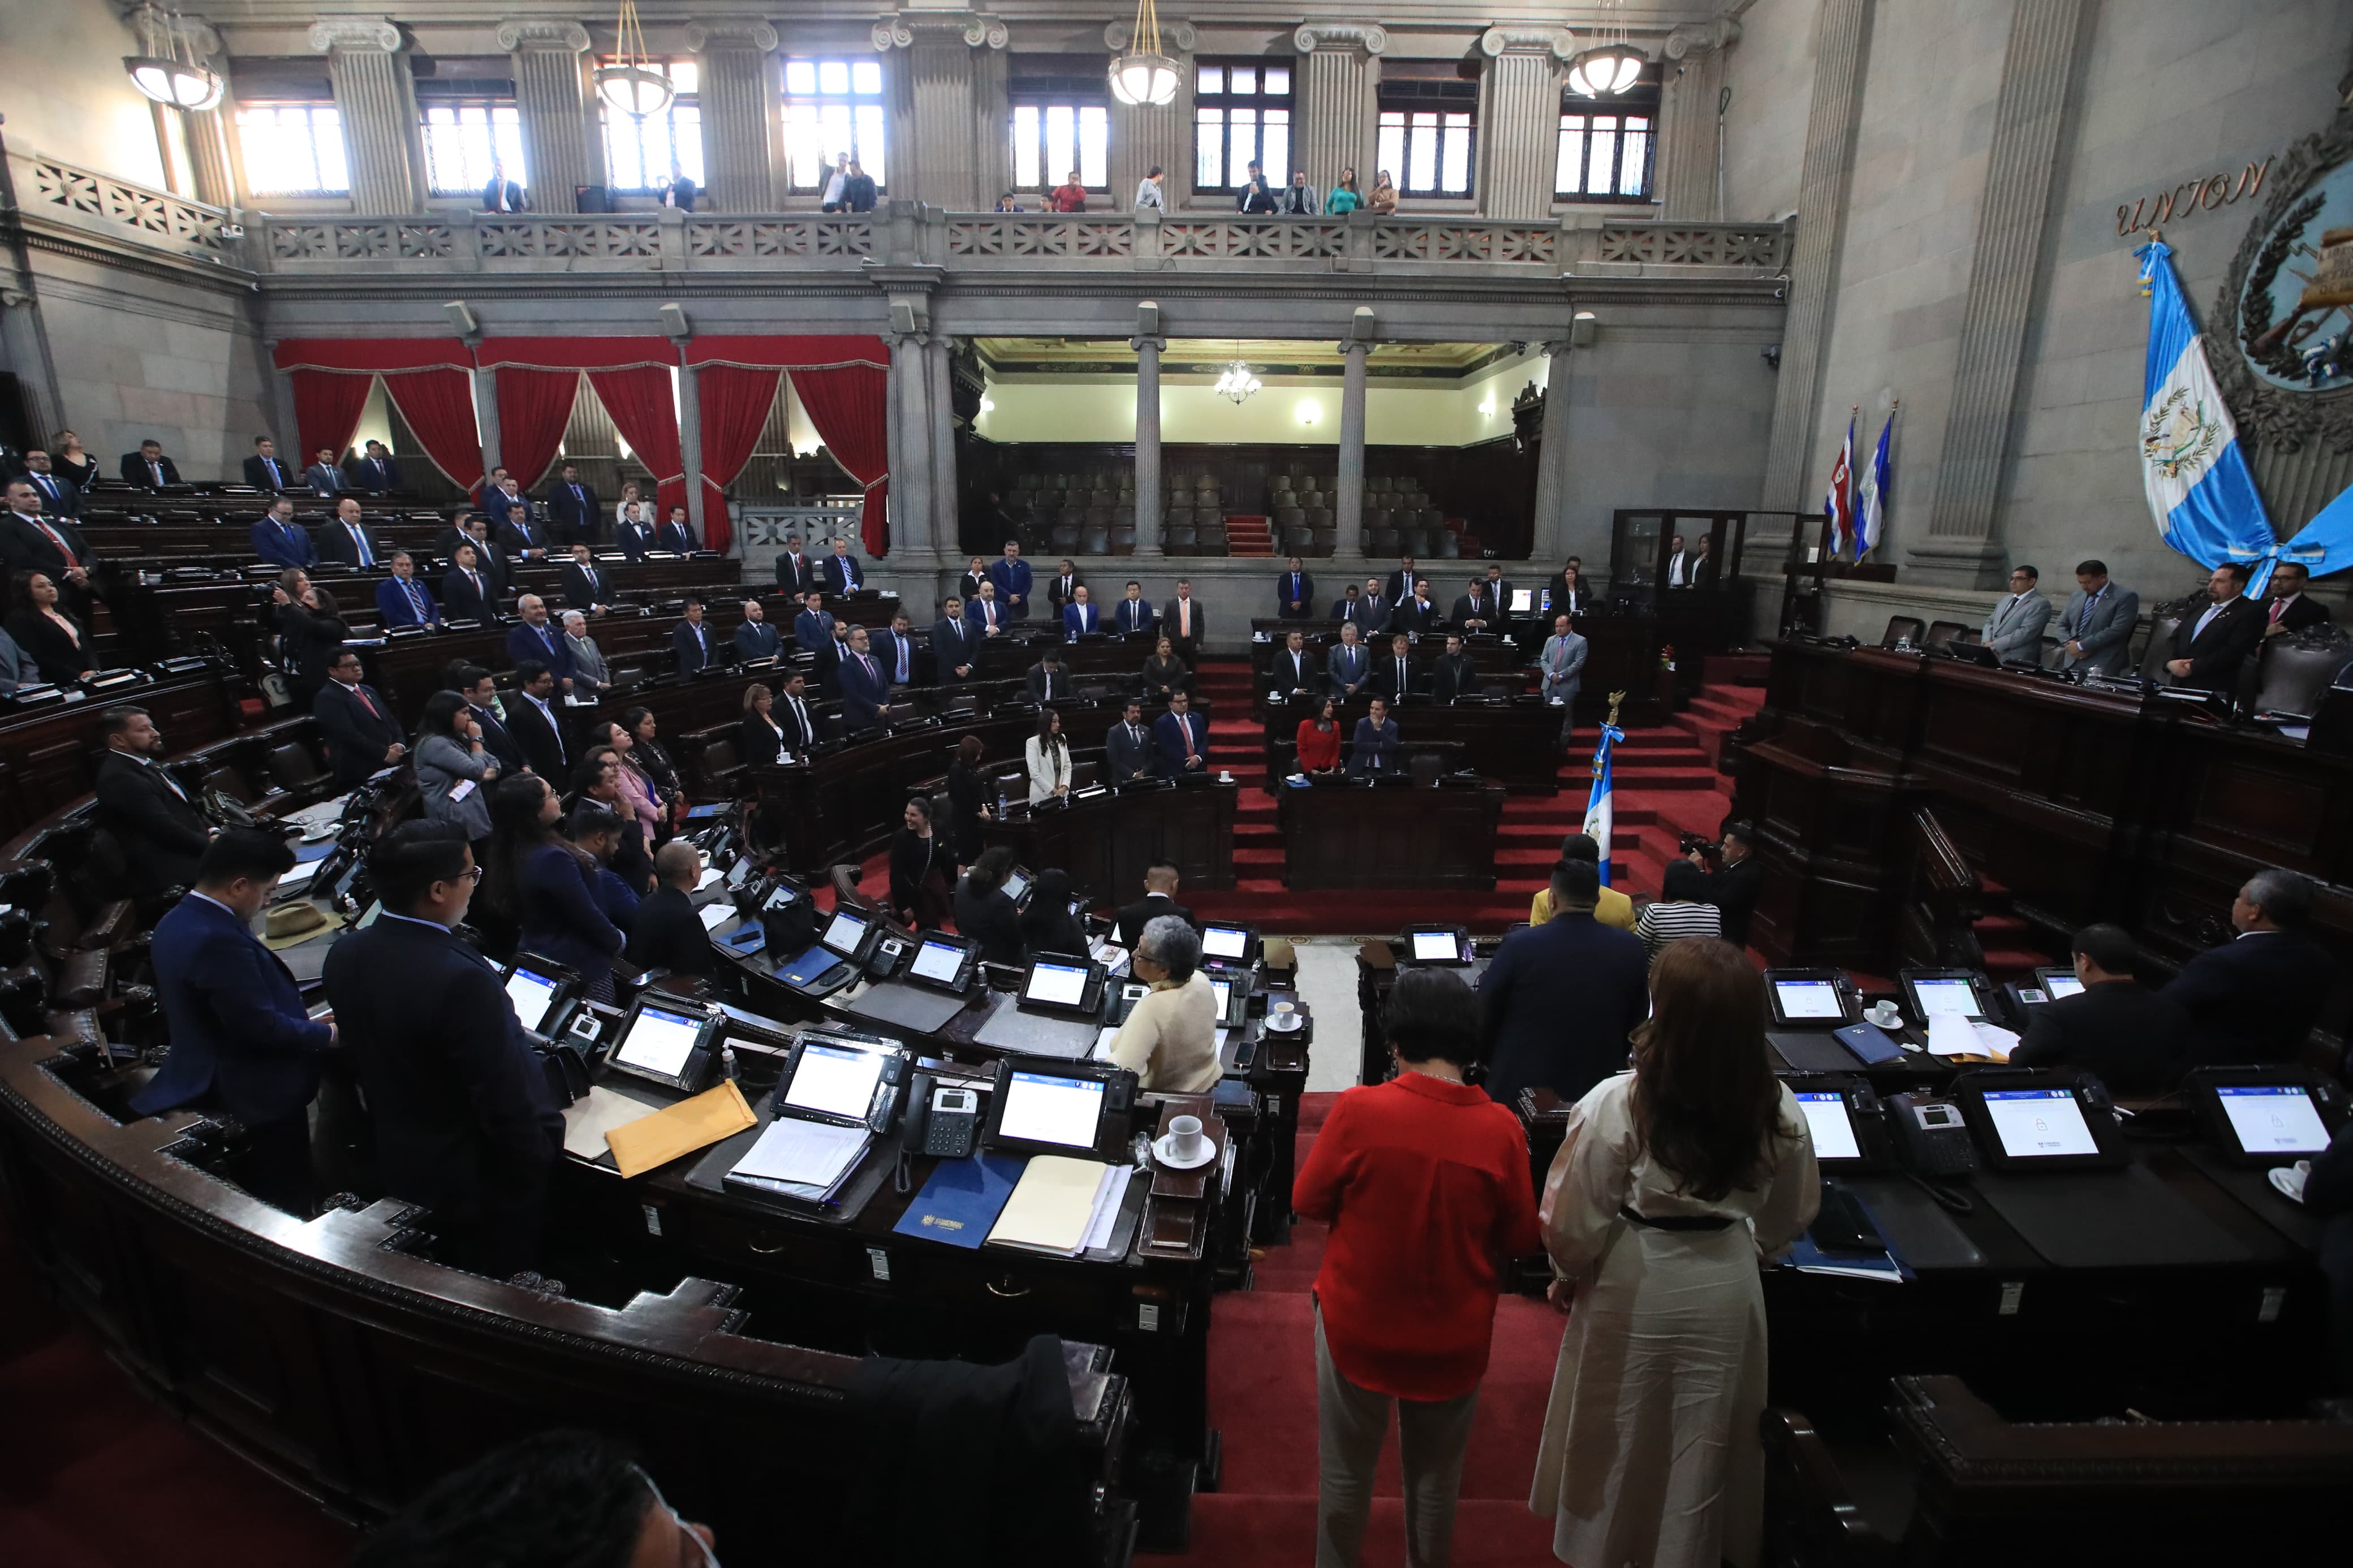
(1686, 843)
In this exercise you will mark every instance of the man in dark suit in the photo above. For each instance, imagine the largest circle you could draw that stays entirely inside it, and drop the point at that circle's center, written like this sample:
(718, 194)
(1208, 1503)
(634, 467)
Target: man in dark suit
(502, 498)
(466, 592)
(1393, 678)
(2254, 999)
(1062, 589)
(677, 534)
(754, 637)
(481, 694)
(1733, 887)
(2134, 1039)
(1159, 899)
(1399, 586)
(464, 1123)
(666, 933)
(401, 600)
(148, 466)
(1558, 1001)
(348, 540)
(1499, 593)
(1047, 680)
(692, 641)
(50, 545)
(375, 471)
(536, 725)
(585, 586)
(1293, 669)
(263, 471)
(1352, 609)
(1476, 610)
(1185, 623)
(1455, 674)
(325, 475)
(1183, 739)
(864, 692)
(795, 573)
(1011, 575)
(363, 735)
(540, 638)
(153, 819)
(634, 538)
(843, 576)
(280, 541)
(955, 647)
(518, 535)
(1349, 666)
(572, 508)
(896, 652)
(2208, 648)
(61, 496)
(241, 1042)
(1374, 749)
(792, 714)
(1416, 615)
(813, 635)
(2290, 609)
(497, 567)
(1128, 746)
(1294, 594)
(1133, 614)
(1079, 618)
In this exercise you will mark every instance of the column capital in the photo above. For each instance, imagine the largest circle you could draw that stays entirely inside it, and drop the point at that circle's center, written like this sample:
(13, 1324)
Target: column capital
(551, 33)
(1368, 38)
(729, 33)
(1177, 36)
(1701, 37)
(978, 29)
(1557, 42)
(355, 34)
(1157, 345)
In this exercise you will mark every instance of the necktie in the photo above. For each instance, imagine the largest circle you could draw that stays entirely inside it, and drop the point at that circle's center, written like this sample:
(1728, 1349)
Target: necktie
(2277, 605)
(578, 500)
(867, 665)
(700, 641)
(170, 783)
(367, 702)
(156, 470)
(1184, 722)
(1400, 678)
(416, 599)
(800, 716)
(49, 484)
(903, 650)
(1185, 616)
(547, 639)
(359, 537)
(58, 540)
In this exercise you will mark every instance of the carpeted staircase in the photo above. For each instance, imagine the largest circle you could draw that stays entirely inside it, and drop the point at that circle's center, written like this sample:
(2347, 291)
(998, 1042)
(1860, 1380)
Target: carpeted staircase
(1248, 534)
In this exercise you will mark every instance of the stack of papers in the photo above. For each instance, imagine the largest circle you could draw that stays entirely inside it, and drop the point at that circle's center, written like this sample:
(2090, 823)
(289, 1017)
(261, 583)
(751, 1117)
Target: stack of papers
(812, 1157)
(715, 915)
(1956, 1035)
(1062, 1205)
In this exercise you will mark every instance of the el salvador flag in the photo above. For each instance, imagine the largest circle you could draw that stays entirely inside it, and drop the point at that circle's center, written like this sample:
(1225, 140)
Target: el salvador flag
(2200, 489)
(1600, 812)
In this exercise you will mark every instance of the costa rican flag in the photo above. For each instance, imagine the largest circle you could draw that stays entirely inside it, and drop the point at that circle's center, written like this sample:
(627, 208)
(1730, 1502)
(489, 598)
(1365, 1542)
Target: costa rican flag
(1840, 501)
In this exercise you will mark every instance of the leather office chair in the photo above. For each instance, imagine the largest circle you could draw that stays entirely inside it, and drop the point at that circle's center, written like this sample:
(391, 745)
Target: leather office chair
(296, 771)
(1123, 537)
(1181, 538)
(1900, 627)
(721, 772)
(1422, 767)
(1448, 547)
(1095, 539)
(2293, 670)
(1327, 541)
(2159, 648)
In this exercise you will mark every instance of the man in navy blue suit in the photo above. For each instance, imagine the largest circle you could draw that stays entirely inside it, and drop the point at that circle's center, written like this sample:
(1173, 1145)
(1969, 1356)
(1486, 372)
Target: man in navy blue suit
(1558, 1001)
(955, 647)
(1294, 594)
(843, 576)
(240, 1041)
(375, 471)
(692, 640)
(1133, 614)
(2254, 999)
(539, 638)
(865, 691)
(634, 538)
(1127, 745)
(572, 507)
(1011, 575)
(481, 694)
(1373, 749)
(756, 638)
(464, 1121)
(1183, 737)
(1079, 618)
(896, 652)
(676, 533)
(363, 736)
(401, 600)
(280, 541)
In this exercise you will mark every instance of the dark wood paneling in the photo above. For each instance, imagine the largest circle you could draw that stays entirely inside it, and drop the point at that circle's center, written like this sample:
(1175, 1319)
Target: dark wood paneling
(1384, 837)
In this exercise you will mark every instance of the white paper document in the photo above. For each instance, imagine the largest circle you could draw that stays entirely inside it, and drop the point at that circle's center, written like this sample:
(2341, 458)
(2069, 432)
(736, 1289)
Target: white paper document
(586, 1122)
(806, 1154)
(1108, 1198)
(1101, 1052)
(713, 916)
(1951, 1034)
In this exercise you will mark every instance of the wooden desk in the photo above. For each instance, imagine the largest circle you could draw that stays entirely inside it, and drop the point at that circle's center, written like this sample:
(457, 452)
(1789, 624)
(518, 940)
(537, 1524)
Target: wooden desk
(48, 756)
(1517, 744)
(1390, 837)
(1108, 843)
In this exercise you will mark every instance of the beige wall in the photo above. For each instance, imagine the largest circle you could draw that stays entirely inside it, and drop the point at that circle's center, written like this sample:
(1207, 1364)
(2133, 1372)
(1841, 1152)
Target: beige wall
(64, 93)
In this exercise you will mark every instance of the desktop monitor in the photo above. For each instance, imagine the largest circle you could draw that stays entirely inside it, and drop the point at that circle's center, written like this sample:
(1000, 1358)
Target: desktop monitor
(1524, 600)
(2058, 982)
(1932, 992)
(1016, 886)
(2263, 1117)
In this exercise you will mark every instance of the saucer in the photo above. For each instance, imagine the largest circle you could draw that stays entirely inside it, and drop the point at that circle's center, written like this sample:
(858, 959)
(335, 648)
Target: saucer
(1160, 1152)
(1282, 1023)
(2289, 1181)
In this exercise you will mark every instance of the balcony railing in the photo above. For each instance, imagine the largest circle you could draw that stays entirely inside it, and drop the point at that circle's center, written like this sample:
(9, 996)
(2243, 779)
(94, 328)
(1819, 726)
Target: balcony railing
(903, 234)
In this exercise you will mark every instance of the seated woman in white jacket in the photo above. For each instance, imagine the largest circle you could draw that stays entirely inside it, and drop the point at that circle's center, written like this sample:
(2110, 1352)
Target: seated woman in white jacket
(1049, 756)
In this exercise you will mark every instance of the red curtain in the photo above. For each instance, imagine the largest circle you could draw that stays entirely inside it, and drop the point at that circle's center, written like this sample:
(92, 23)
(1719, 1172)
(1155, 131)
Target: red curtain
(849, 404)
(372, 357)
(534, 405)
(438, 405)
(734, 401)
(327, 406)
(645, 410)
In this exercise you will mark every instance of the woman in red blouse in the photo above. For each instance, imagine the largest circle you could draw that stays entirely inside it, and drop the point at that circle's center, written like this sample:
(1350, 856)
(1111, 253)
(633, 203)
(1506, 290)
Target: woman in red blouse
(1424, 1181)
(1319, 741)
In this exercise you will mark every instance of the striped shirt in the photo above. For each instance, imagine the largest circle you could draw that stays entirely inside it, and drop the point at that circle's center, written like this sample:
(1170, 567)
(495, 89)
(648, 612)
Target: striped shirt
(1661, 923)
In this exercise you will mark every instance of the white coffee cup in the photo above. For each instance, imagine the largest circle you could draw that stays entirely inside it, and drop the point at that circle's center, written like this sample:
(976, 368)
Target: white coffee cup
(1225, 776)
(1884, 1015)
(1185, 1141)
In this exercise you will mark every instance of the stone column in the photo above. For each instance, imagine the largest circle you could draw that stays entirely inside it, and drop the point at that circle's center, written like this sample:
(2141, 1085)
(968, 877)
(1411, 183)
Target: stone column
(938, 161)
(689, 442)
(1150, 504)
(376, 98)
(1338, 110)
(1686, 185)
(1547, 536)
(911, 507)
(1841, 32)
(206, 131)
(739, 113)
(2012, 217)
(1142, 136)
(552, 107)
(1348, 504)
(946, 499)
(1519, 136)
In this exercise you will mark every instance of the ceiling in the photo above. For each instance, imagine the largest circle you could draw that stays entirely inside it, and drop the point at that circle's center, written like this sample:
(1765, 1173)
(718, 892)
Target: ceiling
(1279, 356)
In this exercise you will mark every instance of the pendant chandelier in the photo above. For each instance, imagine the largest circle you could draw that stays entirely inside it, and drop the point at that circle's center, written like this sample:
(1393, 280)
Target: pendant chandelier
(630, 84)
(1146, 74)
(1237, 382)
(1610, 68)
(168, 71)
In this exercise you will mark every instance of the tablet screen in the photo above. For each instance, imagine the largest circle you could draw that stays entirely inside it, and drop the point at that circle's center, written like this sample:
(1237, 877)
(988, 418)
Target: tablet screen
(532, 995)
(1435, 947)
(1809, 999)
(660, 1041)
(743, 869)
(2273, 1119)
(1224, 941)
(835, 1080)
(848, 930)
(782, 895)
(1057, 984)
(1224, 990)
(1041, 1110)
(1833, 1130)
(937, 962)
(2036, 1123)
(2064, 985)
(1016, 884)
(1947, 996)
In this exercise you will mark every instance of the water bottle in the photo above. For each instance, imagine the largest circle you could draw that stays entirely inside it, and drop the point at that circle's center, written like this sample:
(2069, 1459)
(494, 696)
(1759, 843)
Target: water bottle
(1000, 804)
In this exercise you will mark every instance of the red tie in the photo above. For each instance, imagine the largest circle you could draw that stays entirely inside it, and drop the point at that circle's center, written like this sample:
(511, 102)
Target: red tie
(2277, 607)
(63, 548)
(1184, 723)
(367, 702)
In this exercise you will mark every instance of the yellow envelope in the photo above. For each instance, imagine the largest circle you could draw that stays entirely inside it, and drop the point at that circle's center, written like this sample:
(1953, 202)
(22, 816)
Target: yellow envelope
(690, 1124)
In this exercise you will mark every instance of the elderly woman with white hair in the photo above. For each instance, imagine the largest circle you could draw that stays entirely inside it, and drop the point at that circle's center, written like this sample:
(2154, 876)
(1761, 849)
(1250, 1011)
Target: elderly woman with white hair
(588, 666)
(1170, 1038)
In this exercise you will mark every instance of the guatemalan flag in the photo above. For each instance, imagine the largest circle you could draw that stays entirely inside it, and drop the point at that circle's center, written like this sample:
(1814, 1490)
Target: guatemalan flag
(1870, 496)
(1839, 503)
(1600, 811)
(2199, 487)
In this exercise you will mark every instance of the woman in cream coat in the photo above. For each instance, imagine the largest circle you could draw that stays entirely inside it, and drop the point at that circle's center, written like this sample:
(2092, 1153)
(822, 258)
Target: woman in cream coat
(1049, 757)
(1672, 1181)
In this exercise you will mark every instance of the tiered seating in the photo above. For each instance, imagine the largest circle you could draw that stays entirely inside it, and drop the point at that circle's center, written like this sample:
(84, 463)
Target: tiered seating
(1075, 513)
(1300, 511)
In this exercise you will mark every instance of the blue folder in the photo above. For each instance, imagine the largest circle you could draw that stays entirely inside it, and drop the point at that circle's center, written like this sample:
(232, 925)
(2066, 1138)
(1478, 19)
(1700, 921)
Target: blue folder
(961, 1202)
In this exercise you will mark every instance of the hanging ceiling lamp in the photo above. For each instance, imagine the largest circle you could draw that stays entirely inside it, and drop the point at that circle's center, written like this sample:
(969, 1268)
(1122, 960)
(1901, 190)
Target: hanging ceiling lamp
(1146, 75)
(169, 71)
(1237, 384)
(630, 84)
(1610, 68)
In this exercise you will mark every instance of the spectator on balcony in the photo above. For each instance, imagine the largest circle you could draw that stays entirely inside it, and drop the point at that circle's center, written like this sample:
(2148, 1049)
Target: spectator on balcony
(1344, 197)
(376, 470)
(1148, 193)
(1383, 201)
(1069, 196)
(502, 194)
(858, 191)
(74, 461)
(681, 192)
(1255, 196)
(837, 182)
(1008, 203)
(1298, 199)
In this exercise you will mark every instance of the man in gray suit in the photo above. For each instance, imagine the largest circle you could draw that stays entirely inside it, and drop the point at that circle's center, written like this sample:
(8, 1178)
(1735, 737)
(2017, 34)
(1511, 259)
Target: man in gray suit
(2014, 630)
(2095, 630)
(1563, 664)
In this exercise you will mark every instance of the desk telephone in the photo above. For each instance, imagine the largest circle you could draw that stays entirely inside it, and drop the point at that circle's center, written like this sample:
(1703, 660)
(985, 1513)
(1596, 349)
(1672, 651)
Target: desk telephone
(942, 1119)
(1933, 1135)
